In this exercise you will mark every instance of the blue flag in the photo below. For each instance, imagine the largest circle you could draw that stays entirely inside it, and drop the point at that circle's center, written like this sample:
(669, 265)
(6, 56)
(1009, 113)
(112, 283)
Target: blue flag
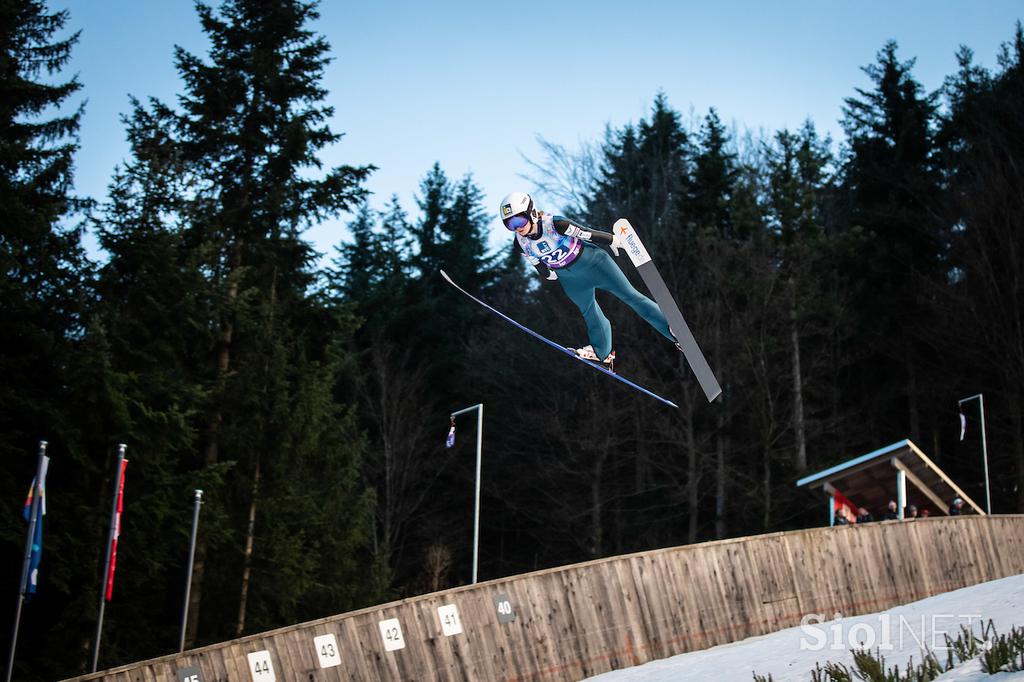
(32, 579)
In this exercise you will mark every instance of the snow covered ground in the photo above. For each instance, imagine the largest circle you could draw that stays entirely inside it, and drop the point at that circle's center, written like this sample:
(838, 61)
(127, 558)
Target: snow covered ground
(899, 633)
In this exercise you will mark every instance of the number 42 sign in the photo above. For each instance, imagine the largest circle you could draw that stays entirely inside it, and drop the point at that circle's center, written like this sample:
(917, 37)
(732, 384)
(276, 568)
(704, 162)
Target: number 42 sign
(391, 633)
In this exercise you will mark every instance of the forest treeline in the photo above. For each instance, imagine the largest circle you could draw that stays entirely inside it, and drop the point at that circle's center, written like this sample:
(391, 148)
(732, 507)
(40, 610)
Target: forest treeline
(846, 292)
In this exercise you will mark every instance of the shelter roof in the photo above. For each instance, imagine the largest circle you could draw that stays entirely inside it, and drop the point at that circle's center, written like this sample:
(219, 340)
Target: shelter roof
(869, 481)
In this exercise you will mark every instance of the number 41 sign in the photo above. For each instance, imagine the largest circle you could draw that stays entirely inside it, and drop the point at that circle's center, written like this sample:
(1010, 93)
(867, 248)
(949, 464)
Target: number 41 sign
(449, 617)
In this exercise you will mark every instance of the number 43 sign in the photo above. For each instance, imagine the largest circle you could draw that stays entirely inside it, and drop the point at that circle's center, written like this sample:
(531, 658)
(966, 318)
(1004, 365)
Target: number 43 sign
(327, 650)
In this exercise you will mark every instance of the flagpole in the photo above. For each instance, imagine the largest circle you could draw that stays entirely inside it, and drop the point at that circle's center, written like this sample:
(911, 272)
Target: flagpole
(32, 519)
(106, 563)
(984, 446)
(188, 573)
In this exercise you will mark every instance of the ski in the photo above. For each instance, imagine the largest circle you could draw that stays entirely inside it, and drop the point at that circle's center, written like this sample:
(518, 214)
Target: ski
(556, 346)
(652, 278)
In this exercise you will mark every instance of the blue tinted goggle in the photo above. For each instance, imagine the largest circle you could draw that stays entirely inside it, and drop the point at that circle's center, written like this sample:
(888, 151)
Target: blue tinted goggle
(517, 221)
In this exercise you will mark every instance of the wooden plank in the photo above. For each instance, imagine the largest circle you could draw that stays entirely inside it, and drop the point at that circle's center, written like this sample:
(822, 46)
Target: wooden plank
(575, 621)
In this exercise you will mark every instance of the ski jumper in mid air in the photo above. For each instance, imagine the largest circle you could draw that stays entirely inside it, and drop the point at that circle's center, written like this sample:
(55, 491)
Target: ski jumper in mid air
(558, 249)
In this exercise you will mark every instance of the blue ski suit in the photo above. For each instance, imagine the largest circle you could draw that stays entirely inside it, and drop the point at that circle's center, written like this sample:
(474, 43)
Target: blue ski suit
(556, 250)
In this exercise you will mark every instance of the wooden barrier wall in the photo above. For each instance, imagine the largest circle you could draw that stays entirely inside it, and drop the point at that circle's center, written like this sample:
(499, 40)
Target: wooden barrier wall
(572, 622)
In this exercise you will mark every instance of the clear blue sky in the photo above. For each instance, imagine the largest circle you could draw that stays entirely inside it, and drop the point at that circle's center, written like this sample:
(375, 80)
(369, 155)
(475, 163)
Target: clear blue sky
(472, 84)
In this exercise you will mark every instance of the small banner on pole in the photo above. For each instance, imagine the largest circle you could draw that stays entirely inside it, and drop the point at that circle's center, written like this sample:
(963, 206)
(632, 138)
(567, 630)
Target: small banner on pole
(32, 580)
(117, 530)
(450, 441)
(963, 425)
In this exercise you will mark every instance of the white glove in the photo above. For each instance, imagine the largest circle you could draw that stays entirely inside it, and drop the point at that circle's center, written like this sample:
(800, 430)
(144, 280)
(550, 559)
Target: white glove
(617, 244)
(552, 275)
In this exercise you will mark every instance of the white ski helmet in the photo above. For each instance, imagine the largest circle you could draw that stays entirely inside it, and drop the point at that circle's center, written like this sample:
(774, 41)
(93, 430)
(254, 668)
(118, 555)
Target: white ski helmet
(516, 210)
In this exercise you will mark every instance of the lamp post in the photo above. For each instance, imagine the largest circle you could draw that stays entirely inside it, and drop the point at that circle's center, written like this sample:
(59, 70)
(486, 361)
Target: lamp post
(984, 445)
(476, 499)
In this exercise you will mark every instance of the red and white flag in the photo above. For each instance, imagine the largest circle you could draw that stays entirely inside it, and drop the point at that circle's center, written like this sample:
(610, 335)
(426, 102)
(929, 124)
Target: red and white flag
(117, 530)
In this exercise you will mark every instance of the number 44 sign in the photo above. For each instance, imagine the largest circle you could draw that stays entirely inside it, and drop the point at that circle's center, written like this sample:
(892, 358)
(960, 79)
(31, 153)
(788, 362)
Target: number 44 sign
(260, 667)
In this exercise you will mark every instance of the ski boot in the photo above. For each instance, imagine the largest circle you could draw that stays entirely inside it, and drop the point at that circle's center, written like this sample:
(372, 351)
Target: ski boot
(678, 347)
(587, 353)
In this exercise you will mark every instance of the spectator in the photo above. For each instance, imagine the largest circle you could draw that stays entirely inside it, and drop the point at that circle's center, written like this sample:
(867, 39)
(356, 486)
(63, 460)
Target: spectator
(841, 519)
(864, 516)
(911, 512)
(957, 508)
(925, 513)
(891, 513)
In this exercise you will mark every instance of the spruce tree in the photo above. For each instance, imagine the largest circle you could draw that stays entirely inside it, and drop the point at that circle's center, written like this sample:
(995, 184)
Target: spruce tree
(891, 182)
(46, 360)
(463, 234)
(151, 320)
(715, 179)
(45, 273)
(798, 188)
(434, 200)
(983, 304)
(252, 125)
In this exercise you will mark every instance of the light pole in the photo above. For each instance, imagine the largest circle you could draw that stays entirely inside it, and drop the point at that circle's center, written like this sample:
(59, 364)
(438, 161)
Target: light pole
(984, 445)
(476, 499)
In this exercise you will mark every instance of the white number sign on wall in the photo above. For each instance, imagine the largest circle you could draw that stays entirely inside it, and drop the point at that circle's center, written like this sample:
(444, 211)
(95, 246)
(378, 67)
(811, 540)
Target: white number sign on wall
(327, 650)
(391, 633)
(260, 667)
(450, 623)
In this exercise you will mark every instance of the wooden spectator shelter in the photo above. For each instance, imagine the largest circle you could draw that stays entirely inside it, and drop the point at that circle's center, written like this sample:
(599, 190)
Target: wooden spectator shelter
(871, 480)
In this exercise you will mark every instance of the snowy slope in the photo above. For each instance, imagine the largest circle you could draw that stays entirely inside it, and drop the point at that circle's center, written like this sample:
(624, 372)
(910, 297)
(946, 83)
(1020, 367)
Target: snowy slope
(899, 633)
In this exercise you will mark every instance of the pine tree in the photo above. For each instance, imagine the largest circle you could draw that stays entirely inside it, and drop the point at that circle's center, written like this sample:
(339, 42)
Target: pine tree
(984, 299)
(55, 383)
(798, 189)
(646, 175)
(151, 320)
(434, 200)
(251, 128)
(891, 180)
(463, 236)
(371, 272)
(715, 179)
(359, 263)
(43, 291)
